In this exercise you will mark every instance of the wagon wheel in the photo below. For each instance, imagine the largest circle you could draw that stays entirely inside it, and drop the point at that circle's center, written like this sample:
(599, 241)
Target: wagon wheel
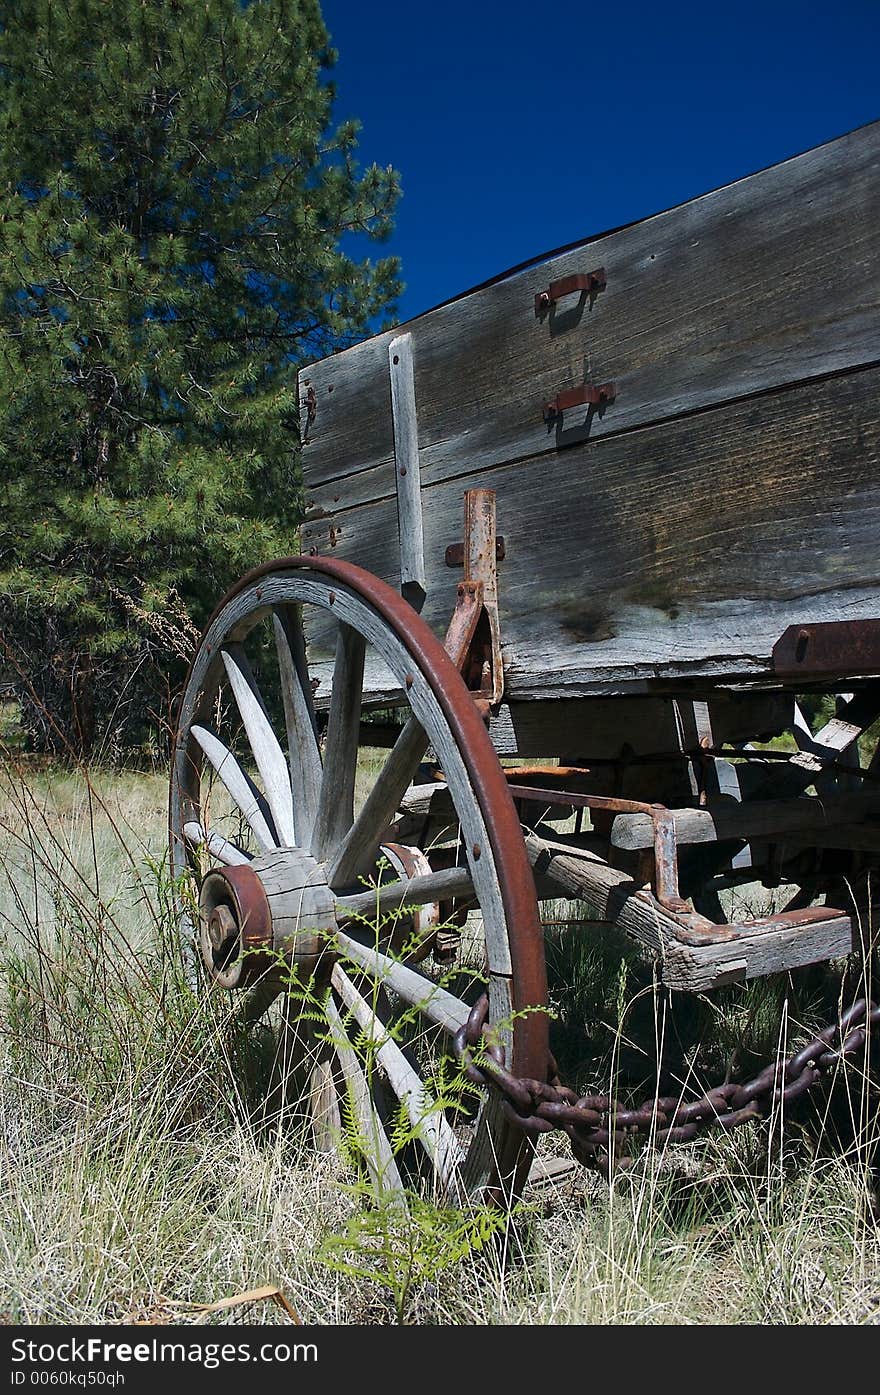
(285, 870)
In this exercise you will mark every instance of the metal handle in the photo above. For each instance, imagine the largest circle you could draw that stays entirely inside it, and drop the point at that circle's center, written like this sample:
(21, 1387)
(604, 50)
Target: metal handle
(584, 281)
(578, 397)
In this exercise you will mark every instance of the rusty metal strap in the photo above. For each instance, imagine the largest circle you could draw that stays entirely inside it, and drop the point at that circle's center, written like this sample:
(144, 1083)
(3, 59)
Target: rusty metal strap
(596, 1125)
(584, 282)
(665, 846)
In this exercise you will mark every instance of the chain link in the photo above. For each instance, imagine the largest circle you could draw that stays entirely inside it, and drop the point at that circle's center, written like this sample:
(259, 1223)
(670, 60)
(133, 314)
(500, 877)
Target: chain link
(595, 1124)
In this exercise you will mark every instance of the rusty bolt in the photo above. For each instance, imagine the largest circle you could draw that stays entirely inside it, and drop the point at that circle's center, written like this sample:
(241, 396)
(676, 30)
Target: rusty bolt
(221, 927)
(476, 850)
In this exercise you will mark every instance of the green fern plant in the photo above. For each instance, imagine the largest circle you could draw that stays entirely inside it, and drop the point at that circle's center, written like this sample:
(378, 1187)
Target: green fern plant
(402, 1249)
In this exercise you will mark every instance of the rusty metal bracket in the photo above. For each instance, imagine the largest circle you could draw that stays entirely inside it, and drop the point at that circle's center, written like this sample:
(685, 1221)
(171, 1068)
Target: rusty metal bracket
(585, 395)
(476, 607)
(455, 553)
(463, 625)
(834, 648)
(480, 564)
(665, 868)
(666, 860)
(587, 282)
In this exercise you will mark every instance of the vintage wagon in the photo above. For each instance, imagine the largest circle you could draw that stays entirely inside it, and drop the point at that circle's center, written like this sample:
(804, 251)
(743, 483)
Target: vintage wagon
(611, 517)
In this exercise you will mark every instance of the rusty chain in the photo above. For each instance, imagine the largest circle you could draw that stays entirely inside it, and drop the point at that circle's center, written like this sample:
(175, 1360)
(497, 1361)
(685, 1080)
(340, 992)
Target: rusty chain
(596, 1124)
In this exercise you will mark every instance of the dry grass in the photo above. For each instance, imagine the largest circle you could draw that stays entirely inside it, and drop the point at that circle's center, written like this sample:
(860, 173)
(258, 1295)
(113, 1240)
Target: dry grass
(134, 1180)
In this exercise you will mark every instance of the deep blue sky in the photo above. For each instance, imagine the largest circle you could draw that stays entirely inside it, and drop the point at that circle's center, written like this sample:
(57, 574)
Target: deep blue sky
(520, 127)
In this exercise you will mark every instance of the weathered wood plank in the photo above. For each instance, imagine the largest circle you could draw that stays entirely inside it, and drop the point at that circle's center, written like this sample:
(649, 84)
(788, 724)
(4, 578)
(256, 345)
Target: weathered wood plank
(407, 474)
(770, 280)
(681, 551)
(722, 820)
(602, 728)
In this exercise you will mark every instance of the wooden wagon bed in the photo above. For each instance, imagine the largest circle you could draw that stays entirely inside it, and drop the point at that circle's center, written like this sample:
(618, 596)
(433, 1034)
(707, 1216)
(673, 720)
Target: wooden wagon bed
(726, 484)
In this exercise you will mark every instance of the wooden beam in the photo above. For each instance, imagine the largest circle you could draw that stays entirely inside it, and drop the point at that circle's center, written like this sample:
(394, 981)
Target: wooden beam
(264, 744)
(704, 957)
(419, 891)
(241, 787)
(426, 1118)
(719, 821)
(429, 997)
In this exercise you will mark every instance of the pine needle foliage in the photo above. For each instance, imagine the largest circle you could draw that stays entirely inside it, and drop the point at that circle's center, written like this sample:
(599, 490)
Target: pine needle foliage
(181, 226)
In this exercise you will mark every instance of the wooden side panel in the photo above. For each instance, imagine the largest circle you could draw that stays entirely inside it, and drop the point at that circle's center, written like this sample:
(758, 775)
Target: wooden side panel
(731, 489)
(771, 280)
(680, 551)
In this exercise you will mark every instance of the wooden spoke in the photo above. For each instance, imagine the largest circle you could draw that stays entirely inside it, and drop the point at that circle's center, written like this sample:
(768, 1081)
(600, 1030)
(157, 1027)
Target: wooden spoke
(240, 786)
(220, 848)
(299, 716)
(433, 1001)
(336, 804)
(418, 891)
(424, 1115)
(323, 1101)
(290, 1079)
(268, 754)
(357, 851)
(377, 1152)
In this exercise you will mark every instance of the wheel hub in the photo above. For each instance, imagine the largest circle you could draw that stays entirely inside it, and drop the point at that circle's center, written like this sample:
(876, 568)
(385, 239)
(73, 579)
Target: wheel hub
(272, 915)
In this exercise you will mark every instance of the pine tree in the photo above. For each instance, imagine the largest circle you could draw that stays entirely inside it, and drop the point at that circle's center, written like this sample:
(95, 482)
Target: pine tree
(175, 221)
